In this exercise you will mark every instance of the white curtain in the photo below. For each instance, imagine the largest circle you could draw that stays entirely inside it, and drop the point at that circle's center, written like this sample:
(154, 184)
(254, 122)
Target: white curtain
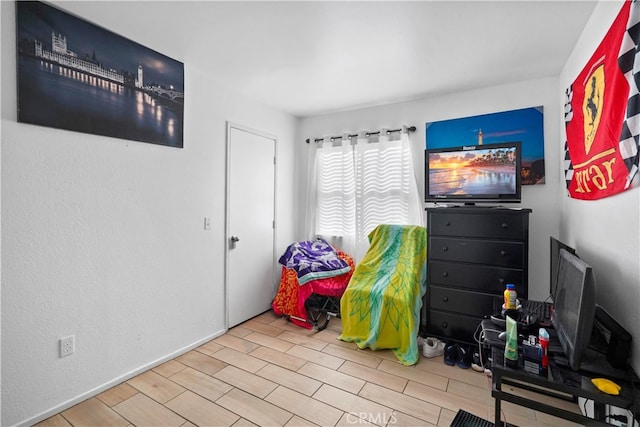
(356, 184)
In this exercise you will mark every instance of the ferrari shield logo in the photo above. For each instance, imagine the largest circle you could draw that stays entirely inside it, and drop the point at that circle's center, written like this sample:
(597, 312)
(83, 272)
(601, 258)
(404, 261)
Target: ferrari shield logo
(592, 106)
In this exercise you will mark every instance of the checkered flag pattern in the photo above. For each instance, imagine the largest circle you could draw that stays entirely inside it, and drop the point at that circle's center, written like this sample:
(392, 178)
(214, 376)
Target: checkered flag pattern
(629, 63)
(568, 115)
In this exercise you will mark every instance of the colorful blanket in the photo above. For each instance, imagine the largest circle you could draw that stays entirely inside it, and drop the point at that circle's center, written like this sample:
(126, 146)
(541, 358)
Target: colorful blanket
(313, 259)
(291, 297)
(381, 306)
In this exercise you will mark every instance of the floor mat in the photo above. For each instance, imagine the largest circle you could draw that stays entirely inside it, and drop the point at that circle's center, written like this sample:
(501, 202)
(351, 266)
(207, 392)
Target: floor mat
(465, 419)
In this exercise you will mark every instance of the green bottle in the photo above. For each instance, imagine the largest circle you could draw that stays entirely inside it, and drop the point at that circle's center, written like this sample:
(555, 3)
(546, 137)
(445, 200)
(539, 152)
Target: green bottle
(511, 343)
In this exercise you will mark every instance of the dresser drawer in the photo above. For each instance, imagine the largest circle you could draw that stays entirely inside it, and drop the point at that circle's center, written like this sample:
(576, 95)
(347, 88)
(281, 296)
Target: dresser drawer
(472, 253)
(482, 278)
(457, 327)
(497, 226)
(459, 301)
(491, 252)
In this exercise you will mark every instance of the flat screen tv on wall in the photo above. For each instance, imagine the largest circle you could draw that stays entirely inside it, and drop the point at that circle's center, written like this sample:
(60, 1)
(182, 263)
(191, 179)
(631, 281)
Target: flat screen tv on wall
(471, 174)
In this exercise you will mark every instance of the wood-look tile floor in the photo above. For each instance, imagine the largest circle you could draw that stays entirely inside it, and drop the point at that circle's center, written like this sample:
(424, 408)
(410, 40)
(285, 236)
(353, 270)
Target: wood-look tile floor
(269, 372)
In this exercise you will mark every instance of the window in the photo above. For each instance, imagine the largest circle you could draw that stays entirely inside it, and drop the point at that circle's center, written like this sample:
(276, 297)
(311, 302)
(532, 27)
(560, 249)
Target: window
(361, 184)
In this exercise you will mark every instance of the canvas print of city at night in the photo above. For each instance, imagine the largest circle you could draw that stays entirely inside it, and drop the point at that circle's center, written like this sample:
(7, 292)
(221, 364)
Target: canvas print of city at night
(77, 76)
(524, 126)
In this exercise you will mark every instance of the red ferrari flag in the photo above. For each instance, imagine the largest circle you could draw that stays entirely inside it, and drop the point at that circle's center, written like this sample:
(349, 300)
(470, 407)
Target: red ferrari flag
(602, 113)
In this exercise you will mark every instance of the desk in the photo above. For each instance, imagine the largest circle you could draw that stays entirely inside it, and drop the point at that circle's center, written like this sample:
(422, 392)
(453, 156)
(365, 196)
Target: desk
(560, 382)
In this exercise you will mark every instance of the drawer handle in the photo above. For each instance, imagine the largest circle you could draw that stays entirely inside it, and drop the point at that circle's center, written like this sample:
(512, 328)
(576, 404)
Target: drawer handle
(503, 253)
(445, 325)
(505, 225)
(445, 274)
(445, 249)
(447, 223)
(445, 299)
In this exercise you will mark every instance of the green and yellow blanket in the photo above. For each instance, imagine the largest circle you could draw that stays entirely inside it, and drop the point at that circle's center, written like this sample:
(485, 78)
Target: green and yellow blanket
(381, 305)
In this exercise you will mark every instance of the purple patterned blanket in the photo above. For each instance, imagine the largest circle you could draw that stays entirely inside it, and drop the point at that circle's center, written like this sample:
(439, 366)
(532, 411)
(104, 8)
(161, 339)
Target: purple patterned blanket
(313, 259)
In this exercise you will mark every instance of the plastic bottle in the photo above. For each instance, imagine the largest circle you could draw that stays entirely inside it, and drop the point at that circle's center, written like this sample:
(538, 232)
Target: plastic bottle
(510, 297)
(511, 343)
(543, 339)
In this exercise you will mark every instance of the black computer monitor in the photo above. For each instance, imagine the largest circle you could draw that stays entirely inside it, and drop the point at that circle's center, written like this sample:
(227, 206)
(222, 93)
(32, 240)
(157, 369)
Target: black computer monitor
(574, 306)
(554, 255)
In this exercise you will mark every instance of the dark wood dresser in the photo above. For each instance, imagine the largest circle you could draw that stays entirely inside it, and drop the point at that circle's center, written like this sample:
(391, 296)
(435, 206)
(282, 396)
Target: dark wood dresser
(472, 253)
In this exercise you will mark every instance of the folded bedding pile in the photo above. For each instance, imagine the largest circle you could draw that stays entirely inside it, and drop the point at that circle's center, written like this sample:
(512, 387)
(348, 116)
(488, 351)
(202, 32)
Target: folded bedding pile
(310, 267)
(313, 259)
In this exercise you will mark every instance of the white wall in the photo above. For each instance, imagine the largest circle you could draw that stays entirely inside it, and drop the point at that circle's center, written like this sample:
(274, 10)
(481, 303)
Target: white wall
(605, 232)
(542, 199)
(103, 238)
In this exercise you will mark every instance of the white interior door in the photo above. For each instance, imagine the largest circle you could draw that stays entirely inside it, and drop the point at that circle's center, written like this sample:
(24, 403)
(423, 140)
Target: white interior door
(250, 234)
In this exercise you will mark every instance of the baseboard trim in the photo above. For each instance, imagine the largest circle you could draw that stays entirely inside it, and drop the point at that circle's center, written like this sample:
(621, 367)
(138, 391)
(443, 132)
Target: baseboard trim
(97, 390)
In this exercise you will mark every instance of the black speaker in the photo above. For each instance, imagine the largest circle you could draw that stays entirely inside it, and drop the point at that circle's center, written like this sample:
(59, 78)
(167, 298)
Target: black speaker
(617, 339)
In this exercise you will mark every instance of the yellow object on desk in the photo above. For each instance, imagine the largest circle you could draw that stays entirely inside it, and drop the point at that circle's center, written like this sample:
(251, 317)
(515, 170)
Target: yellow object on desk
(606, 386)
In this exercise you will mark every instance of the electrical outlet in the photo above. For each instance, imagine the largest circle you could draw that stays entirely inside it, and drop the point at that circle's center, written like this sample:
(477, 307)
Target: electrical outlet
(66, 346)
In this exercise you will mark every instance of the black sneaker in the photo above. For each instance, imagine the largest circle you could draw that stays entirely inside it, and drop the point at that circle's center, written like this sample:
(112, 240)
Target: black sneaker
(465, 357)
(451, 354)
(476, 365)
(487, 367)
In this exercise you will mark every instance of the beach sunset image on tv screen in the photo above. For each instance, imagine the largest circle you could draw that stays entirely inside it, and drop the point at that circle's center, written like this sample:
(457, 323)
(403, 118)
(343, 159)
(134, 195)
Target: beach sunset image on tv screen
(480, 171)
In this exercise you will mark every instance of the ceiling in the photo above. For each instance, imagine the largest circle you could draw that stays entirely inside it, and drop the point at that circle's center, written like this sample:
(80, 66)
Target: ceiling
(309, 58)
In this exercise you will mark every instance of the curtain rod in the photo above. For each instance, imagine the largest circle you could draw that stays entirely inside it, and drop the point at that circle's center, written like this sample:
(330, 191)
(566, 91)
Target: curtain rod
(410, 129)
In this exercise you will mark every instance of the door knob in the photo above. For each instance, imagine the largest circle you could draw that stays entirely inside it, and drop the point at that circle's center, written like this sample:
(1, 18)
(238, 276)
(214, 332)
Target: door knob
(235, 239)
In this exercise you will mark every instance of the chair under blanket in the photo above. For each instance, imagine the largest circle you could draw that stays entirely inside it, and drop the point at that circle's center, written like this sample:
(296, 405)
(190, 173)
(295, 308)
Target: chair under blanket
(311, 300)
(380, 308)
